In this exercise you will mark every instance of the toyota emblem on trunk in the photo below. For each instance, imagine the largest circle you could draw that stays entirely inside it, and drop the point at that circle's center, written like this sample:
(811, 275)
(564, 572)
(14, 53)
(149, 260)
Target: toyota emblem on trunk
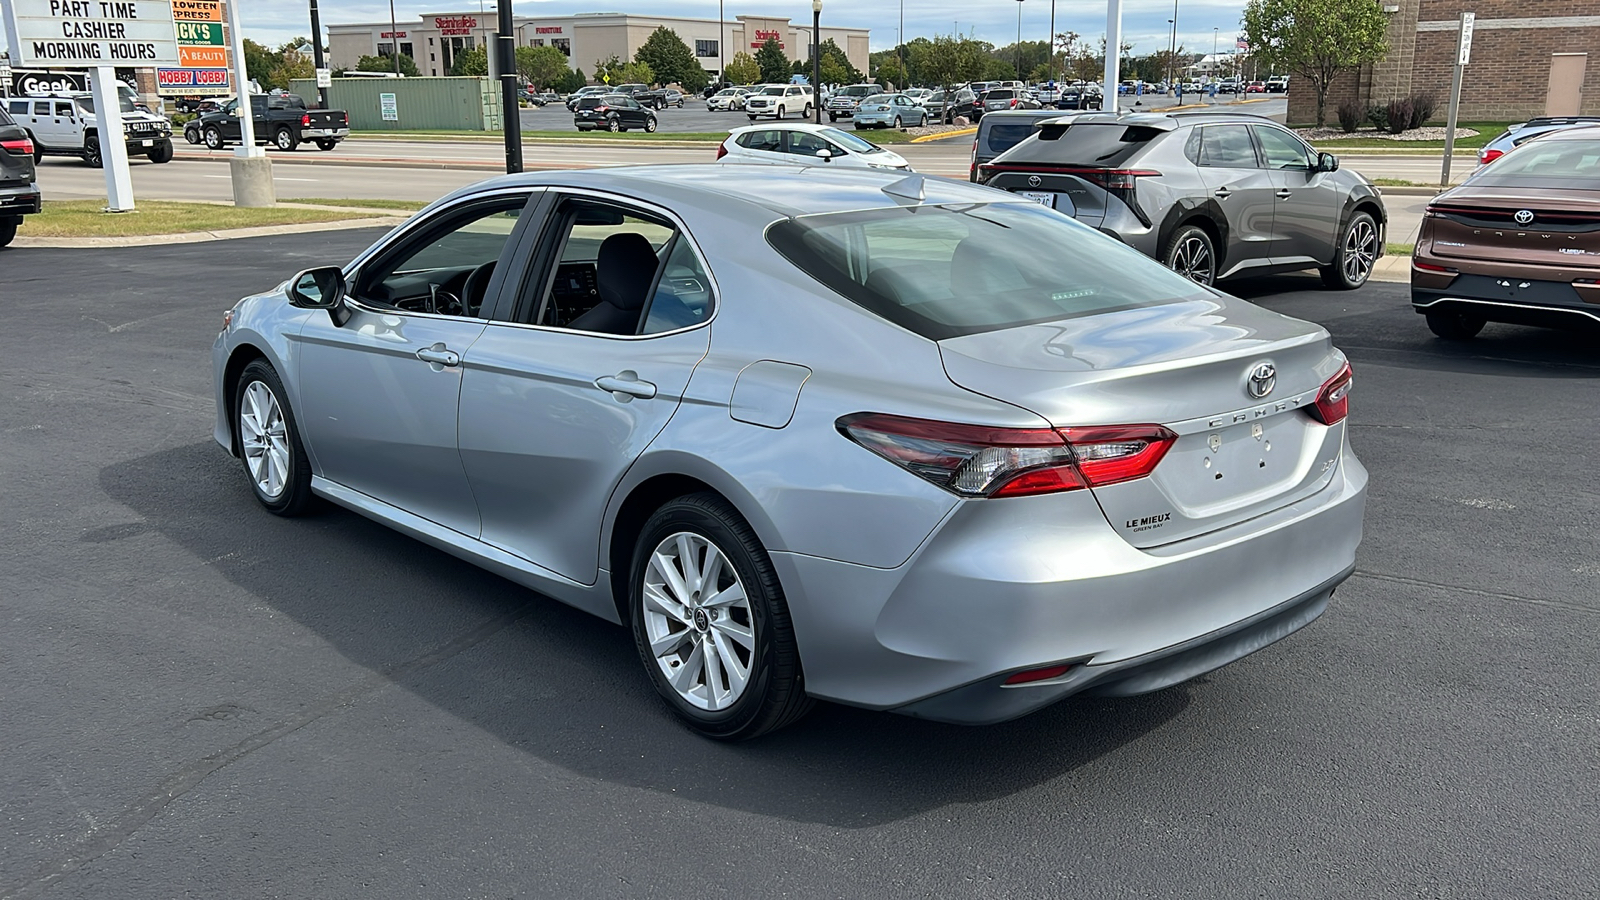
(1263, 378)
(1523, 217)
(1034, 181)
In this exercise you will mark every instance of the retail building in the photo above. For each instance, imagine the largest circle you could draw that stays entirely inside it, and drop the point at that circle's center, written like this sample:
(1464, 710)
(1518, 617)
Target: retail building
(434, 41)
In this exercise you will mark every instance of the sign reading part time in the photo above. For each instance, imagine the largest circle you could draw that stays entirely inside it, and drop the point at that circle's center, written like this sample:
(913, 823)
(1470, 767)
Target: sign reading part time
(86, 33)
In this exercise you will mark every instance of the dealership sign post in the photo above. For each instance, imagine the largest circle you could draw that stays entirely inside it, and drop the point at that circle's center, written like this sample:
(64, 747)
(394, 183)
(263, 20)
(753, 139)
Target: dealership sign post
(98, 35)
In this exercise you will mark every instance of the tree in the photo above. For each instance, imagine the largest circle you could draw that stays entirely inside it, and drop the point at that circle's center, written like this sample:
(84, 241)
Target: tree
(612, 70)
(544, 67)
(742, 69)
(408, 66)
(773, 61)
(259, 63)
(671, 60)
(473, 62)
(948, 61)
(841, 66)
(1316, 39)
(571, 81)
(891, 72)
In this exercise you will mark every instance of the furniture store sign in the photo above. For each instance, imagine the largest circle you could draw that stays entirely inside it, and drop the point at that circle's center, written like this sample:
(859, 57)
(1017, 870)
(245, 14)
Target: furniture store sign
(84, 33)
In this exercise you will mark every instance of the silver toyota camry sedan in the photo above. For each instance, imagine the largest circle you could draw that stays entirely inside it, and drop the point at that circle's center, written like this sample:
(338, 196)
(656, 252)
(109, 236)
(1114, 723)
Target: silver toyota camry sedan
(815, 433)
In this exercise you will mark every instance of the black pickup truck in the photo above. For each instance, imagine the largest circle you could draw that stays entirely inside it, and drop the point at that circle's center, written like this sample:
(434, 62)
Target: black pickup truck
(642, 93)
(281, 120)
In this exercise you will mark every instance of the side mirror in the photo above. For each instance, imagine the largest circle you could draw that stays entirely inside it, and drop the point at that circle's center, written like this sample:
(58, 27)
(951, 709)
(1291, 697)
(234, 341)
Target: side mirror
(1327, 162)
(321, 288)
(825, 154)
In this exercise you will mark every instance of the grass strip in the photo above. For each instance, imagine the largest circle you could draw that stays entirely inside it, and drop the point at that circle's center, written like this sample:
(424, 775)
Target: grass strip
(1399, 249)
(359, 202)
(87, 218)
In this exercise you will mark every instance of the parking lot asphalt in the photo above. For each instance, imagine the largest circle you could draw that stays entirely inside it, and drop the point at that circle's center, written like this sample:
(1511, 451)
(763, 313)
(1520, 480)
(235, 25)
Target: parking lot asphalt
(200, 699)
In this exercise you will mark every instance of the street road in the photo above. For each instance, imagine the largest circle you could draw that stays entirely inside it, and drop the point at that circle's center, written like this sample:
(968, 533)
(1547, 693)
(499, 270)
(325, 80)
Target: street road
(203, 700)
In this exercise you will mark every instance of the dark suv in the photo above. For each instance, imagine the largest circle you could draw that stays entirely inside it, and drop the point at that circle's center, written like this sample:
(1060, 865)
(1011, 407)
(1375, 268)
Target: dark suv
(1212, 195)
(19, 195)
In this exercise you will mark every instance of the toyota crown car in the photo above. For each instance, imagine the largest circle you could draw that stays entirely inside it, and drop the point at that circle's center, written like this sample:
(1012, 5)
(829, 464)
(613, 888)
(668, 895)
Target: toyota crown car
(1212, 195)
(810, 433)
(1518, 241)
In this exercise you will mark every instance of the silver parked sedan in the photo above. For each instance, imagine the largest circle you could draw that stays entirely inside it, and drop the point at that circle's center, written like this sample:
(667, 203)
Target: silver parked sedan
(888, 455)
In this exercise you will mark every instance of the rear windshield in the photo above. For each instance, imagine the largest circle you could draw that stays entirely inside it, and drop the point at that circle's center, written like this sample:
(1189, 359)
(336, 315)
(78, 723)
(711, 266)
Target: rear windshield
(1569, 164)
(590, 102)
(858, 90)
(1000, 94)
(1088, 144)
(1002, 136)
(946, 271)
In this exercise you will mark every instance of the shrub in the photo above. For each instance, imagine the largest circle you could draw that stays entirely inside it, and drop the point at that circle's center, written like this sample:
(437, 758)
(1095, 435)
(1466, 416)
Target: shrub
(1349, 116)
(1398, 114)
(1378, 115)
(1422, 108)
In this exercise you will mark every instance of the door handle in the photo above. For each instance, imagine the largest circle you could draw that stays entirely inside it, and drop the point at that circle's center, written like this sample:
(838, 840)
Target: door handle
(439, 355)
(625, 385)
(1283, 193)
(1223, 193)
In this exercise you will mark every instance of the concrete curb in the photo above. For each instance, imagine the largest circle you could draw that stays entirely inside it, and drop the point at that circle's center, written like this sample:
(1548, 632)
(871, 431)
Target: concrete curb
(1392, 270)
(942, 136)
(1400, 191)
(199, 237)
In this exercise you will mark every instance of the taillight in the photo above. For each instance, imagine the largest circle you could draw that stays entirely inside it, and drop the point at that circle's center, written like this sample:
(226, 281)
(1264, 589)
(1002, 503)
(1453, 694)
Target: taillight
(722, 150)
(1333, 401)
(1486, 156)
(305, 120)
(981, 461)
(23, 146)
(1013, 103)
(1430, 267)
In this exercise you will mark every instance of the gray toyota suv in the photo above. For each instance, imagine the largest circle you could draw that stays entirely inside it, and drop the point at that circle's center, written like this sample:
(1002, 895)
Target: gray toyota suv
(1212, 195)
(19, 195)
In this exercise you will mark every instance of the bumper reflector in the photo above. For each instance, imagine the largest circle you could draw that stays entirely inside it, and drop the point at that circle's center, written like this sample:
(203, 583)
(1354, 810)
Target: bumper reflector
(1032, 675)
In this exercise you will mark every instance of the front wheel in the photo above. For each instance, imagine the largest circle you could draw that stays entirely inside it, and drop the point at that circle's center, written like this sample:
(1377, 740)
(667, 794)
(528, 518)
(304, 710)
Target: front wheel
(897, 122)
(1455, 326)
(269, 442)
(1192, 254)
(832, 117)
(1355, 255)
(780, 112)
(710, 621)
(161, 153)
(752, 118)
(213, 138)
(650, 125)
(91, 151)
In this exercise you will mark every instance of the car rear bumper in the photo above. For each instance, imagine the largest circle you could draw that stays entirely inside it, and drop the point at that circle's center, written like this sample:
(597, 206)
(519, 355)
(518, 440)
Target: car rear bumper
(874, 118)
(324, 133)
(20, 201)
(990, 594)
(1511, 299)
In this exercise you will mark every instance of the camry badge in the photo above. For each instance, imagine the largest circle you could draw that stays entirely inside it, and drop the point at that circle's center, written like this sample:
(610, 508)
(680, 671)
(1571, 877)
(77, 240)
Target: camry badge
(1263, 378)
(1033, 181)
(1523, 217)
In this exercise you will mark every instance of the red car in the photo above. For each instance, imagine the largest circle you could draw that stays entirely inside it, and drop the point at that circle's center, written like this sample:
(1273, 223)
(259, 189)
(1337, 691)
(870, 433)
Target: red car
(1256, 87)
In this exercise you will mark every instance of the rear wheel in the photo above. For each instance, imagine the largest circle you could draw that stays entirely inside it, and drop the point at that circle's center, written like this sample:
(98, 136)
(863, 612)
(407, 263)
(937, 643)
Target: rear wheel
(327, 144)
(1455, 326)
(191, 134)
(283, 139)
(269, 442)
(8, 230)
(1357, 252)
(1192, 254)
(710, 621)
(613, 124)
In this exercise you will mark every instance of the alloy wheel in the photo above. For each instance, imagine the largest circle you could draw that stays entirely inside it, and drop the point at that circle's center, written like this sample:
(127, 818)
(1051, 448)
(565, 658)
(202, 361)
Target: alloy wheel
(1360, 251)
(698, 622)
(1193, 260)
(264, 438)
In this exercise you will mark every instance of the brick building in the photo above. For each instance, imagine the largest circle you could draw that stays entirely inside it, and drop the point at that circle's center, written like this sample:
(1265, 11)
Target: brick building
(1525, 54)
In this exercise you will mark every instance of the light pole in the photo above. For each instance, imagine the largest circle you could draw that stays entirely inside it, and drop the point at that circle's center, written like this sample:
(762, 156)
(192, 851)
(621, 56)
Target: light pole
(816, 59)
(394, 42)
(900, 50)
(316, 52)
(1050, 45)
(1213, 53)
(1019, 40)
(722, 44)
(1172, 53)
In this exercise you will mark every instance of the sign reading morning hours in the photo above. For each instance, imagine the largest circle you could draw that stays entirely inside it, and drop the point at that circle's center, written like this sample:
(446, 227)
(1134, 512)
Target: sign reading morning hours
(91, 32)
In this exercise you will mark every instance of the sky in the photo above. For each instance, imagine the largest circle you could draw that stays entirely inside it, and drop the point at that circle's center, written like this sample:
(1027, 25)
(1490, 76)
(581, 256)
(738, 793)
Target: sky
(1144, 22)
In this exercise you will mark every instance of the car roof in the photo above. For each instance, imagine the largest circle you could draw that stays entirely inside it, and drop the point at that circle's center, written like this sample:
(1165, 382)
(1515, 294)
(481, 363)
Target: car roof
(787, 126)
(759, 194)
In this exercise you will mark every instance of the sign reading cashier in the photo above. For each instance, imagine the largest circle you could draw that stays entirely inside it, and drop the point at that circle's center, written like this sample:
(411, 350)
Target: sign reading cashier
(91, 32)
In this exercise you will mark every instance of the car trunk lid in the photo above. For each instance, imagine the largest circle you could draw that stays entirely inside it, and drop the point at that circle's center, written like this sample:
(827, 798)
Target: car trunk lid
(1518, 225)
(1186, 366)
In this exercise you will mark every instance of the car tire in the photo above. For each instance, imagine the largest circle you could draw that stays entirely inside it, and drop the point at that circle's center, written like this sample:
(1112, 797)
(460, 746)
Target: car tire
(91, 151)
(650, 125)
(274, 460)
(781, 112)
(674, 629)
(38, 148)
(213, 137)
(327, 144)
(752, 118)
(284, 140)
(1193, 254)
(1357, 253)
(897, 123)
(8, 230)
(192, 135)
(1455, 326)
(832, 117)
(161, 153)
(613, 124)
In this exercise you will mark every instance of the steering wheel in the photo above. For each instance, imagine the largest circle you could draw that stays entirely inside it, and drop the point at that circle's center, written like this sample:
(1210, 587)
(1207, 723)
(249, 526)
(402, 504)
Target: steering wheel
(476, 286)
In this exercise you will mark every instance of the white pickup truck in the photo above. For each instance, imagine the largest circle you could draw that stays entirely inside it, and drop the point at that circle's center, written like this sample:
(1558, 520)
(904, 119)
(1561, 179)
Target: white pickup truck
(66, 125)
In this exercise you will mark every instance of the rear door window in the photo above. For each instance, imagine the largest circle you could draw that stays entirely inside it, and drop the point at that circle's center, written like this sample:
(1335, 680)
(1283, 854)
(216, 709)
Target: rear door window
(768, 141)
(1227, 147)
